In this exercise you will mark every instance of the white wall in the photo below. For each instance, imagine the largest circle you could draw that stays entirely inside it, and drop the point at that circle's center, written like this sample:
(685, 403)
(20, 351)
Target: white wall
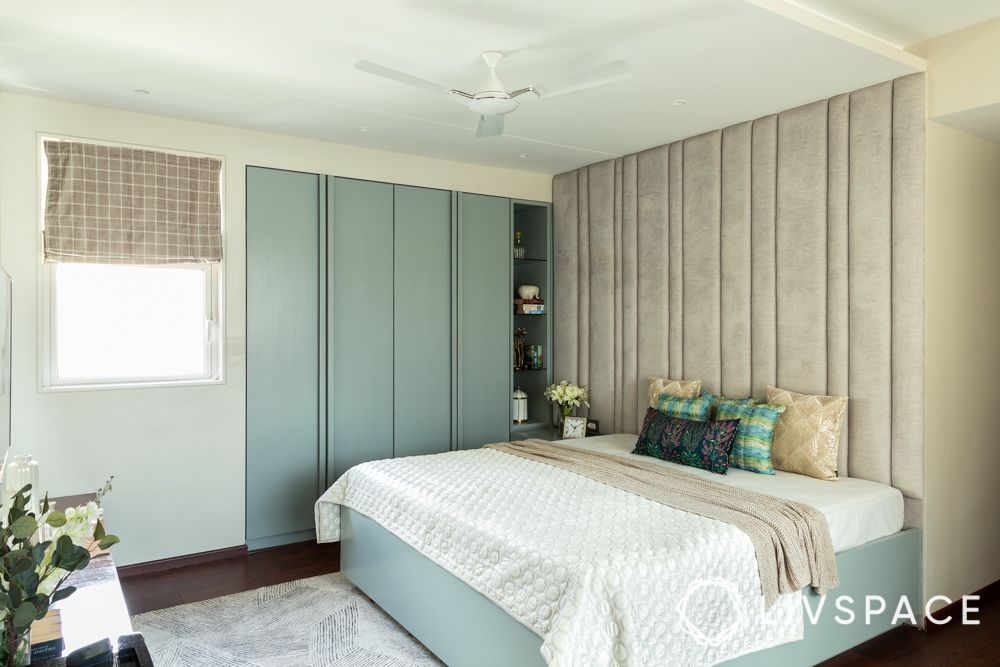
(177, 453)
(962, 366)
(962, 371)
(962, 68)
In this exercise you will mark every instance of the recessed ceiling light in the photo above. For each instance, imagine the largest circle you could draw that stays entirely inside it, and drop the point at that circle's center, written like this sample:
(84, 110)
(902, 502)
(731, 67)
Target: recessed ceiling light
(680, 103)
(141, 91)
(363, 128)
(523, 155)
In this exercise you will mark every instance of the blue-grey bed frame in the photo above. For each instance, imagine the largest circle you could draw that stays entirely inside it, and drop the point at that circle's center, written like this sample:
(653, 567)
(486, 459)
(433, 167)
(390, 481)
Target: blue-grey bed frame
(463, 627)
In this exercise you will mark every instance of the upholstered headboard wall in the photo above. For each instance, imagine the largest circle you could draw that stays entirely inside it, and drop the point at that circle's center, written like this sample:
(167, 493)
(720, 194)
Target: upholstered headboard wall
(788, 250)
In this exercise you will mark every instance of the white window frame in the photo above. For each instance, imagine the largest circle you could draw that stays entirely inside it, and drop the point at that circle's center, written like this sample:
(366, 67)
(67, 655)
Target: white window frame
(215, 339)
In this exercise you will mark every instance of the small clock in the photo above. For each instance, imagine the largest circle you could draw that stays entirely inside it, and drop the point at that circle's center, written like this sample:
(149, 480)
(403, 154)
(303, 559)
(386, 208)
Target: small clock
(574, 427)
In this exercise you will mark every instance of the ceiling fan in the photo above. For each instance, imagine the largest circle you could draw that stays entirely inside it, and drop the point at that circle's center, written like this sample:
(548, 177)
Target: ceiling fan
(492, 101)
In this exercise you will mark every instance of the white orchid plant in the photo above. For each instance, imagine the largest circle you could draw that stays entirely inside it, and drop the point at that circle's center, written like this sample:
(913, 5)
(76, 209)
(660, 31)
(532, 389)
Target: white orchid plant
(567, 396)
(37, 555)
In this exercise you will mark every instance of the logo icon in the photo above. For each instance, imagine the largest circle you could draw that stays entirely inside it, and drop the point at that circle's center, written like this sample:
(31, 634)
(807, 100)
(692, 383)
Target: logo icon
(701, 593)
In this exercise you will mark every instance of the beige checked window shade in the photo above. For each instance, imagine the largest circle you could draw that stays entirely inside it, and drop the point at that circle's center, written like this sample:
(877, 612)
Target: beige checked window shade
(117, 205)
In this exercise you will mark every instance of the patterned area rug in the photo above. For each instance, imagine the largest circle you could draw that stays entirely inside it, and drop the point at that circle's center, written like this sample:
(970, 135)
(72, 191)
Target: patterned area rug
(319, 622)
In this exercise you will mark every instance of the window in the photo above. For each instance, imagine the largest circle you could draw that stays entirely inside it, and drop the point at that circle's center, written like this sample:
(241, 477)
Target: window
(132, 263)
(115, 324)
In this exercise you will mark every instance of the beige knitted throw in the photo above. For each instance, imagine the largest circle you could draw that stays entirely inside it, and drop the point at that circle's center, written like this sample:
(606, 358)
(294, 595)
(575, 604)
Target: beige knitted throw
(792, 540)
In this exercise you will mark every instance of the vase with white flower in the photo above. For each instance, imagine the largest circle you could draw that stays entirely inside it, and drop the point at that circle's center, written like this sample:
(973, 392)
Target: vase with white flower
(567, 396)
(37, 555)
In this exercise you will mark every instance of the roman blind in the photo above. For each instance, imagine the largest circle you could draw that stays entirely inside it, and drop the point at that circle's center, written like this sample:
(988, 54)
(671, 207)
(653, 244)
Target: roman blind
(119, 205)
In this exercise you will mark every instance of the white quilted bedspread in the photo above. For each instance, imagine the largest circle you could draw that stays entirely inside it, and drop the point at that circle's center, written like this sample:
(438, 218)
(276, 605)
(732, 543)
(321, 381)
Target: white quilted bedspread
(604, 576)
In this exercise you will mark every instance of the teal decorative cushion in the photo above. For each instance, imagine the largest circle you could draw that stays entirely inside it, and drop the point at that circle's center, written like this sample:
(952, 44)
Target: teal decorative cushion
(700, 444)
(718, 399)
(752, 449)
(698, 408)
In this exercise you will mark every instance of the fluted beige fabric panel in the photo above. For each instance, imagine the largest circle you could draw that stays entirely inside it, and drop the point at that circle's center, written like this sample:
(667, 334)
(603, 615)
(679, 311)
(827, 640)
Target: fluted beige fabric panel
(652, 272)
(800, 249)
(567, 255)
(603, 279)
(870, 283)
(785, 251)
(908, 292)
(763, 175)
(701, 268)
(837, 301)
(627, 349)
(675, 258)
(734, 314)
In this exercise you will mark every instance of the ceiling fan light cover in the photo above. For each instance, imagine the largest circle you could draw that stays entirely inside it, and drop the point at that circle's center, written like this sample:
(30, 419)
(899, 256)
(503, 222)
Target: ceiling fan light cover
(492, 106)
(489, 126)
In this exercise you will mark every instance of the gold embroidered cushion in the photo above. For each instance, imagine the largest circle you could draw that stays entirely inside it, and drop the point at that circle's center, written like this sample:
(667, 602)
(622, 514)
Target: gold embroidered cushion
(682, 388)
(807, 436)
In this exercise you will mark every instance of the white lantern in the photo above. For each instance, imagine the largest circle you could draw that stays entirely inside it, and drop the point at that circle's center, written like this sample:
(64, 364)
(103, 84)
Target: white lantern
(519, 409)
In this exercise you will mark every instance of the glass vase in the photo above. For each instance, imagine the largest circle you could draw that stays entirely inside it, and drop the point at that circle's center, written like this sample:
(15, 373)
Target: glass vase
(564, 411)
(23, 470)
(519, 251)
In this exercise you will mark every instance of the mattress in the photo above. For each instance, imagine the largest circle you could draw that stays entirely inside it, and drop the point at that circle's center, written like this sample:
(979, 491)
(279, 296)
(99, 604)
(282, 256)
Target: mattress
(857, 510)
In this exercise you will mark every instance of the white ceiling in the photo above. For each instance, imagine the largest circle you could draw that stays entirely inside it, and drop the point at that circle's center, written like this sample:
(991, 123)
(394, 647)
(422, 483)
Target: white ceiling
(981, 121)
(287, 67)
(906, 22)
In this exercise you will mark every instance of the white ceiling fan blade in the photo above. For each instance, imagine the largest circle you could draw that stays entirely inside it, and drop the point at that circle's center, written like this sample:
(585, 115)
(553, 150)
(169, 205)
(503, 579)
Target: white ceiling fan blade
(522, 91)
(596, 76)
(369, 67)
(489, 126)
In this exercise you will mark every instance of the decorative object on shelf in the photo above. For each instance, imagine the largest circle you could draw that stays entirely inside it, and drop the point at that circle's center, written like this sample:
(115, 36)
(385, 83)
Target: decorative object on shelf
(519, 251)
(33, 571)
(519, 408)
(522, 307)
(574, 427)
(21, 472)
(529, 301)
(567, 396)
(593, 427)
(528, 292)
(520, 359)
(535, 361)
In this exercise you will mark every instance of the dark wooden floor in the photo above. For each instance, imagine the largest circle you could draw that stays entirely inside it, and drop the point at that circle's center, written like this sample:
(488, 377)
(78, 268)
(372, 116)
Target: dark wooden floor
(232, 575)
(946, 646)
(941, 646)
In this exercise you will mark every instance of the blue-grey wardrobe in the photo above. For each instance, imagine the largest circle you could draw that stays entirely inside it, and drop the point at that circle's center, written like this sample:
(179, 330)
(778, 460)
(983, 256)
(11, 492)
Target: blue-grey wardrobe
(389, 318)
(284, 373)
(484, 306)
(377, 326)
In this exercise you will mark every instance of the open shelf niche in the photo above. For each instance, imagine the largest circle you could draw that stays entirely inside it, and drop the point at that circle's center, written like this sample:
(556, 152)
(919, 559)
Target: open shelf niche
(534, 221)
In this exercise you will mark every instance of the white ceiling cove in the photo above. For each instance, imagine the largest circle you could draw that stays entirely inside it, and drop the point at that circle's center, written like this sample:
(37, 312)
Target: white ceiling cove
(906, 22)
(287, 67)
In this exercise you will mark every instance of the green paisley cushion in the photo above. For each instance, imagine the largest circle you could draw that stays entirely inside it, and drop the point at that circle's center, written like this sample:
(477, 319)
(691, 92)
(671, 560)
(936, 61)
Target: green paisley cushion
(700, 444)
(698, 408)
(752, 449)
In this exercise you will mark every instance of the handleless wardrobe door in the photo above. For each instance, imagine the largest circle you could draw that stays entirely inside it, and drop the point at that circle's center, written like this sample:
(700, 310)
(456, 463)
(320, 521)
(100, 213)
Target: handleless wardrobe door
(422, 306)
(484, 307)
(360, 327)
(282, 427)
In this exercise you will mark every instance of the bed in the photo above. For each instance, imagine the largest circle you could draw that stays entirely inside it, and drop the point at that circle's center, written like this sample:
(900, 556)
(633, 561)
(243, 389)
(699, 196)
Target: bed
(480, 555)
